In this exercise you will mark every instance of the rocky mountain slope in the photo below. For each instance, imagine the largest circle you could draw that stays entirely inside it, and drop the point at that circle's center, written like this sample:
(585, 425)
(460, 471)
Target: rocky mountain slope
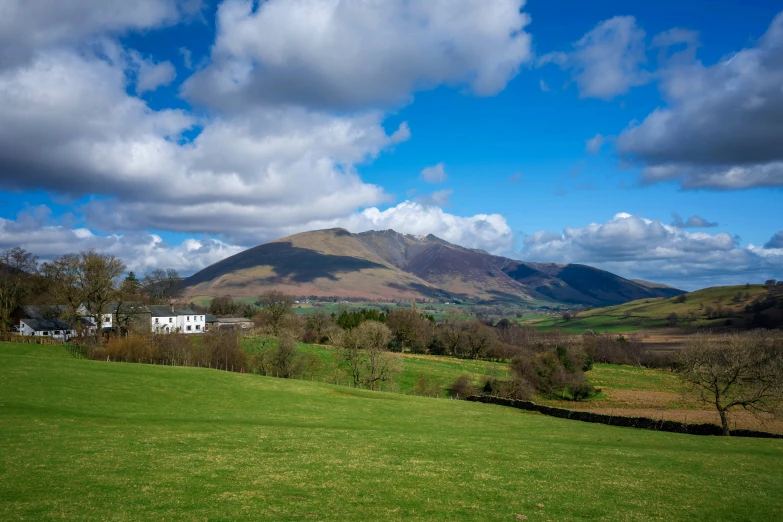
(392, 266)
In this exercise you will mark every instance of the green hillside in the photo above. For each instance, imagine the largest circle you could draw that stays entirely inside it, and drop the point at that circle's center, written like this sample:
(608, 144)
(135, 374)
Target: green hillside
(652, 313)
(89, 440)
(438, 371)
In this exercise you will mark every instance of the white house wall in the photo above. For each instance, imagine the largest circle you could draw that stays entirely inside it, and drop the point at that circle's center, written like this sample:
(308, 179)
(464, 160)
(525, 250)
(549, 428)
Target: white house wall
(196, 323)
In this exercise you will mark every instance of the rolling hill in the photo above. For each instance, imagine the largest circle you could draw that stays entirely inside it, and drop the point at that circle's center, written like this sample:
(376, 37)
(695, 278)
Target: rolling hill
(387, 265)
(716, 308)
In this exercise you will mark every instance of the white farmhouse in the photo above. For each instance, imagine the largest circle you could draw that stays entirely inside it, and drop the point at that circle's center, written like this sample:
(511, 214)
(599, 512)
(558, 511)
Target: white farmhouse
(189, 321)
(163, 318)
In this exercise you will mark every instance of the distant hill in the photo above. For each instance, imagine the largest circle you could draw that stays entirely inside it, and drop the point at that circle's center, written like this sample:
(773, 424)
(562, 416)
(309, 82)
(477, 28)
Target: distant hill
(387, 265)
(716, 308)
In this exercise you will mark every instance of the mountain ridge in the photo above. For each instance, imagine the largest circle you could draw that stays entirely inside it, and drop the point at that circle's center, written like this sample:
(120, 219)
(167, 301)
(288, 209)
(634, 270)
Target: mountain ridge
(388, 265)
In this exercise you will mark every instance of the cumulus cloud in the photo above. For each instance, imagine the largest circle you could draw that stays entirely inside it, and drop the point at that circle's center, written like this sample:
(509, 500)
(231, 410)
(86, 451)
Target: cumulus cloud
(306, 52)
(722, 127)
(27, 27)
(607, 61)
(151, 75)
(775, 241)
(692, 222)
(489, 232)
(633, 246)
(34, 231)
(434, 174)
(69, 126)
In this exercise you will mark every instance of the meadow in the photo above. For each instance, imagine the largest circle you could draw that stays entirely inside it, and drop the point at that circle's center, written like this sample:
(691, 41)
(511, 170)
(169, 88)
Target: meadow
(439, 372)
(92, 440)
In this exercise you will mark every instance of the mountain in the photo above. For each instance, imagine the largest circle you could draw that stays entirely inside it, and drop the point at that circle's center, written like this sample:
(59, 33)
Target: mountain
(388, 265)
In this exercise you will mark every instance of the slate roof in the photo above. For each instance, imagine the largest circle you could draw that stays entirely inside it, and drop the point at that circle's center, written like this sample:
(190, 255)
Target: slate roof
(185, 312)
(161, 311)
(126, 308)
(46, 325)
(211, 318)
(43, 311)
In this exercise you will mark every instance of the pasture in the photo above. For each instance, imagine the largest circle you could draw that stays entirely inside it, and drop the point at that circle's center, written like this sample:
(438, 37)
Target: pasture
(92, 440)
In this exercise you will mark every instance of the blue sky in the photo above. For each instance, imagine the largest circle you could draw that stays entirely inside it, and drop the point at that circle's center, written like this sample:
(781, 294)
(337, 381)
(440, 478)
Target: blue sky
(176, 132)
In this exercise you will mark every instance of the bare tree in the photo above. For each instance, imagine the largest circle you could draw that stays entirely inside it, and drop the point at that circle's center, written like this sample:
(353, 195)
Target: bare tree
(479, 338)
(275, 306)
(16, 267)
(735, 371)
(363, 354)
(410, 329)
(97, 278)
(162, 285)
(62, 277)
(90, 279)
(380, 364)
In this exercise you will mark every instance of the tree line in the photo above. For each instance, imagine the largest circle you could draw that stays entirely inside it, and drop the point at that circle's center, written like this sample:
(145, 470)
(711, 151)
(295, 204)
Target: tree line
(88, 279)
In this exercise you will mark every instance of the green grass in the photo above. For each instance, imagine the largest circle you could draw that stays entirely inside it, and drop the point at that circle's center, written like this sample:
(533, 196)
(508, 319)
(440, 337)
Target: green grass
(441, 371)
(633, 378)
(90, 440)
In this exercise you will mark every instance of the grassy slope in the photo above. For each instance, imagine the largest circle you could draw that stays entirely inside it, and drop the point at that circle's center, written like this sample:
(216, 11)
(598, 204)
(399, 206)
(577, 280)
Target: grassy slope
(99, 441)
(652, 313)
(441, 371)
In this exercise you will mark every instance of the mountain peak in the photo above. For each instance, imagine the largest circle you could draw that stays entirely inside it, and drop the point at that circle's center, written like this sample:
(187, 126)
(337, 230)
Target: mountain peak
(389, 266)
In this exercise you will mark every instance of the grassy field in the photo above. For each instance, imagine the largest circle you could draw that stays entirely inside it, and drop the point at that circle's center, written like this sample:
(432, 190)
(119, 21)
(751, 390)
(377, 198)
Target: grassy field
(657, 394)
(92, 440)
(653, 313)
(440, 371)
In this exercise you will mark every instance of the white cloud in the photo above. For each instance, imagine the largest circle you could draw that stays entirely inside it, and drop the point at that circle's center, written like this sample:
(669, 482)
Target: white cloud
(439, 198)
(489, 232)
(723, 126)
(434, 174)
(152, 75)
(692, 222)
(595, 144)
(636, 247)
(69, 126)
(187, 57)
(607, 61)
(30, 26)
(775, 242)
(140, 251)
(307, 52)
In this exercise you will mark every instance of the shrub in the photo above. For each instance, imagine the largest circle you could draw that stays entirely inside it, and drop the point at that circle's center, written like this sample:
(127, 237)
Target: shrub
(426, 385)
(462, 387)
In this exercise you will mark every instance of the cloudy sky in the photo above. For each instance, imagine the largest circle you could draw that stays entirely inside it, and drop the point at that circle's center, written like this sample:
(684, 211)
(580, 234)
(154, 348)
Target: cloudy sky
(644, 138)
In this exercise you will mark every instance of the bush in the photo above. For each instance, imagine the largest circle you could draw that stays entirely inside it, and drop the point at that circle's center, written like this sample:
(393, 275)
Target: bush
(462, 387)
(426, 385)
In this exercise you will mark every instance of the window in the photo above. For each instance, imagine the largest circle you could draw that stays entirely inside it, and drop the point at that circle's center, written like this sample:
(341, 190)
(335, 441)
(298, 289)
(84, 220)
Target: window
(157, 320)
(46, 333)
(188, 318)
(57, 332)
(198, 327)
(189, 327)
(171, 319)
